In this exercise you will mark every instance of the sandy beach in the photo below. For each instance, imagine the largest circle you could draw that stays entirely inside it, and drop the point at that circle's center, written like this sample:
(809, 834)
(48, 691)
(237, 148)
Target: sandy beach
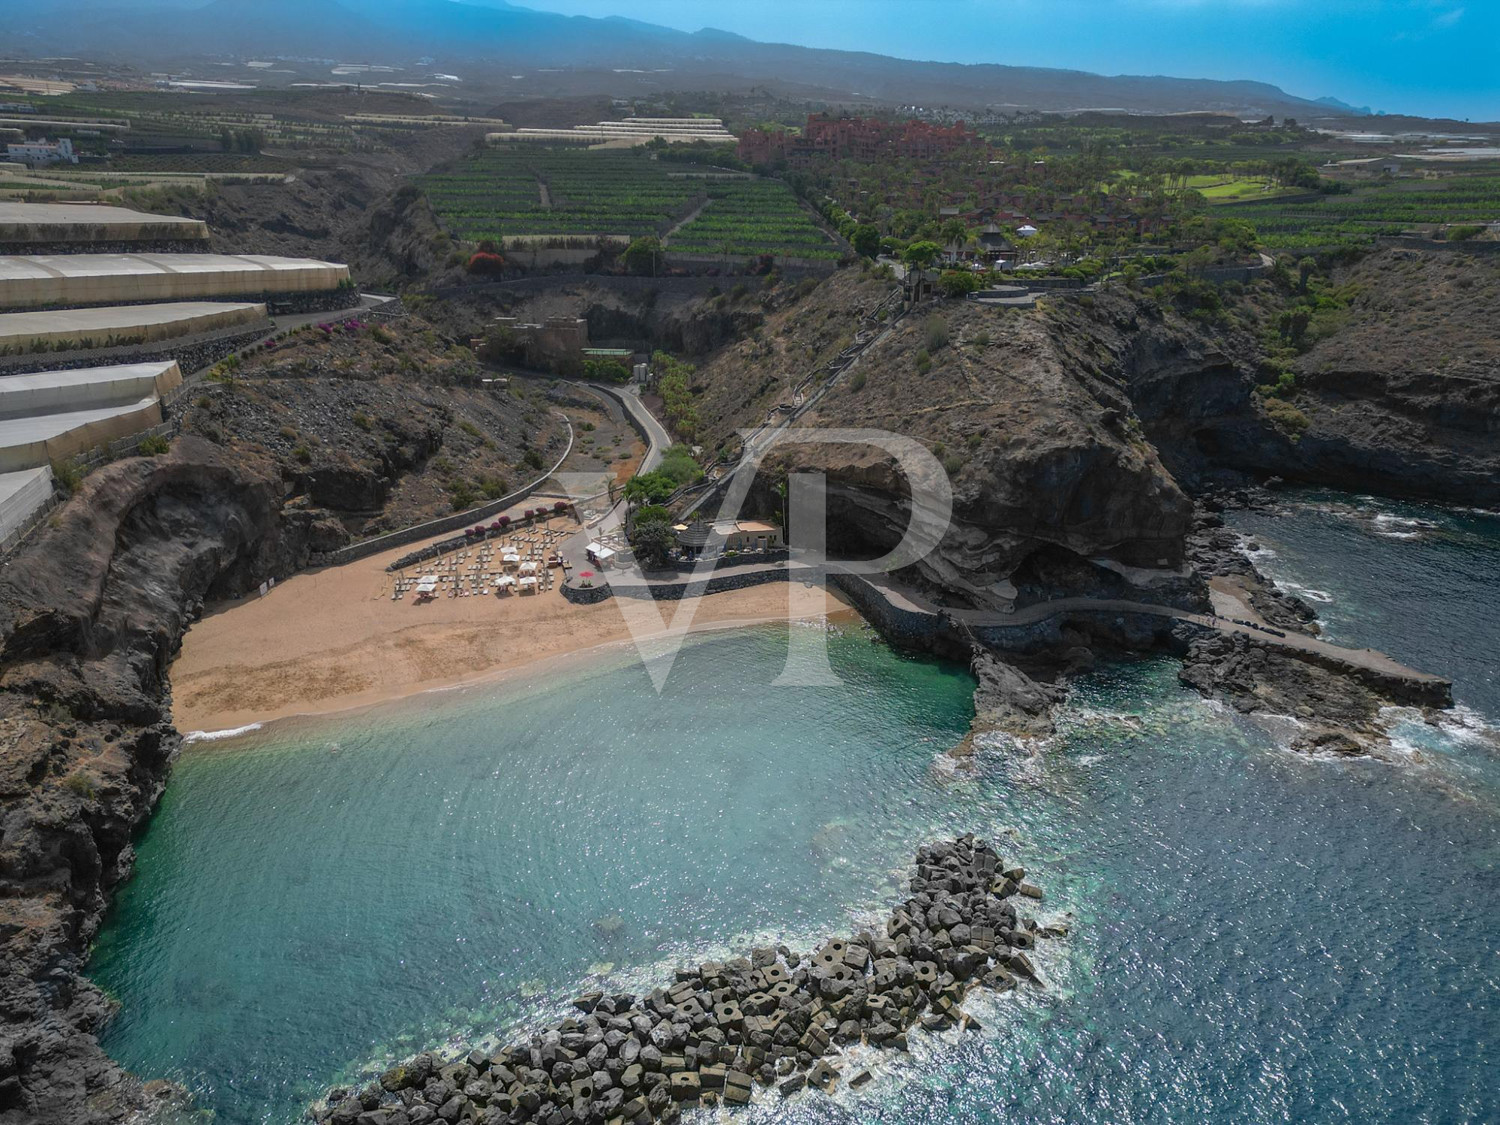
(333, 639)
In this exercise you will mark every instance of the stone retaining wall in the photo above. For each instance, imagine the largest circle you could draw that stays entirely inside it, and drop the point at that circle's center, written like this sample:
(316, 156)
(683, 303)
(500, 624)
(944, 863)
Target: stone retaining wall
(907, 628)
(280, 304)
(1442, 246)
(685, 286)
(124, 246)
(191, 354)
(675, 591)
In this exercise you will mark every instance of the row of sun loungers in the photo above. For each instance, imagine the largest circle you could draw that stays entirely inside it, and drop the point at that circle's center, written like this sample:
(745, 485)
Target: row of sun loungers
(524, 563)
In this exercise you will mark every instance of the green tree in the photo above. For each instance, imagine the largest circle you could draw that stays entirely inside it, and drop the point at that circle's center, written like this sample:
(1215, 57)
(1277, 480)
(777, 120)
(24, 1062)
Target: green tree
(652, 541)
(654, 487)
(920, 255)
(643, 255)
(958, 283)
(866, 239)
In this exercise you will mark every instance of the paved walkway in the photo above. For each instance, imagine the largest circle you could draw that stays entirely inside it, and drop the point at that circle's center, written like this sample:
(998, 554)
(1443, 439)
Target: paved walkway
(909, 600)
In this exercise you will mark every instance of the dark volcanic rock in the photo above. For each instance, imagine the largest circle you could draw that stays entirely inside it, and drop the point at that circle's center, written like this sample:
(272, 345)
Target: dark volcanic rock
(1009, 700)
(91, 613)
(1338, 704)
(758, 1020)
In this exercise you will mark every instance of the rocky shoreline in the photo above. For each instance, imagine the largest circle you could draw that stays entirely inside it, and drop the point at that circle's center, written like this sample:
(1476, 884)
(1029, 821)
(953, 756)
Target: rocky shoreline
(727, 1030)
(92, 611)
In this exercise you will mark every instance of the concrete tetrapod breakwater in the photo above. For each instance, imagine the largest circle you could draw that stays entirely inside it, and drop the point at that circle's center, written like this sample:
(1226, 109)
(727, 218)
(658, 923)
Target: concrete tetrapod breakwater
(724, 1031)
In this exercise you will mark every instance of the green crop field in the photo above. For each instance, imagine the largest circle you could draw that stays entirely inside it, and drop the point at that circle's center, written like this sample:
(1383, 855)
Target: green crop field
(1337, 221)
(745, 217)
(500, 194)
(567, 192)
(1238, 189)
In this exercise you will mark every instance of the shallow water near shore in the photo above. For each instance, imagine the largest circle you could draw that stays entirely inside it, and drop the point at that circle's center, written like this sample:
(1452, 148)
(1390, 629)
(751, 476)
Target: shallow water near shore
(1256, 936)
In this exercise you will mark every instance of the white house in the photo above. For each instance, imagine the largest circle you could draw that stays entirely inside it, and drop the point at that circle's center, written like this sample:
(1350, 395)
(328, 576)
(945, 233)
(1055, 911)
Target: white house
(41, 152)
(1026, 231)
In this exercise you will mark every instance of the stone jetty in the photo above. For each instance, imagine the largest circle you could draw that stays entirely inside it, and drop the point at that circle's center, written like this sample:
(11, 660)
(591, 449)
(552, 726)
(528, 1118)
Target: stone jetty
(724, 1032)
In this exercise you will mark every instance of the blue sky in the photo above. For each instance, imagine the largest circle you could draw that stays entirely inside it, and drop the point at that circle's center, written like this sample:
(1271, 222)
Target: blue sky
(1438, 58)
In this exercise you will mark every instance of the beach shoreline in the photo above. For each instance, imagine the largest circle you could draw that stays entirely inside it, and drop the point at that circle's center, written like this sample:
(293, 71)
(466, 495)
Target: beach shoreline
(330, 641)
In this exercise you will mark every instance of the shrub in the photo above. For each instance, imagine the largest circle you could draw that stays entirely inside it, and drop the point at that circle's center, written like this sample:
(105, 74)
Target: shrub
(924, 362)
(1286, 417)
(981, 339)
(935, 334)
(485, 264)
(81, 784)
(680, 465)
(153, 445)
(67, 476)
(606, 370)
(653, 487)
(362, 420)
(302, 454)
(533, 459)
(461, 494)
(958, 283)
(857, 382)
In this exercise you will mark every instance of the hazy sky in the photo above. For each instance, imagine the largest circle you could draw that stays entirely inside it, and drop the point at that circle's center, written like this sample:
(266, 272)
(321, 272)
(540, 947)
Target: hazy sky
(1437, 58)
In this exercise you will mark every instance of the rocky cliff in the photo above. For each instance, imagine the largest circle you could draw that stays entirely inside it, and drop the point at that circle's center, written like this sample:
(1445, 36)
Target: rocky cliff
(91, 613)
(1045, 456)
(1397, 390)
(375, 428)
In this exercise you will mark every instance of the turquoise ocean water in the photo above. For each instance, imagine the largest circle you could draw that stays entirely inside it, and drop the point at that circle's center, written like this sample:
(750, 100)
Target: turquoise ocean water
(1257, 937)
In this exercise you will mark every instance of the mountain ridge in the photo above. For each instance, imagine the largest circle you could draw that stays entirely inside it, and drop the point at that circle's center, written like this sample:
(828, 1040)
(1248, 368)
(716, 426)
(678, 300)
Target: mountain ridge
(492, 34)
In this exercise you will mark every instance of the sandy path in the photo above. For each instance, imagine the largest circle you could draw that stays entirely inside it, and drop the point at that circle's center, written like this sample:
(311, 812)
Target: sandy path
(333, 639)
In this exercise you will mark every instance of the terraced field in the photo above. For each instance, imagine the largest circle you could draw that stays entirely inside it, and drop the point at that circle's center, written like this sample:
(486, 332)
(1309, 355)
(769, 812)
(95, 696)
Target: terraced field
(1337, 221)
(568, 192)
(501, 194)
(749, 217)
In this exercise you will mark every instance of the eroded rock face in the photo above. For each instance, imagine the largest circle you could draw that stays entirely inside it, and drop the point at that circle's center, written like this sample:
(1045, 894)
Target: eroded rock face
(1403, 398)
(91, 613)
(1038, 449)
(1337, 706)
(1008, 700)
